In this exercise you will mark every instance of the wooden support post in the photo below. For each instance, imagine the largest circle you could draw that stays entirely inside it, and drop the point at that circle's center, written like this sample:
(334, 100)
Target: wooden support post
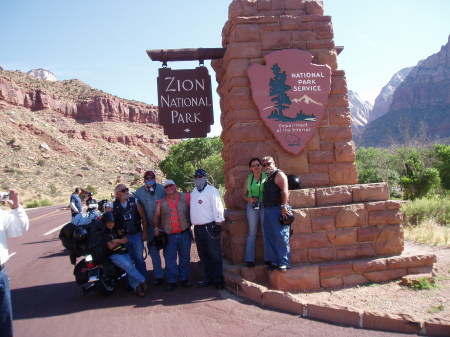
(191, 54)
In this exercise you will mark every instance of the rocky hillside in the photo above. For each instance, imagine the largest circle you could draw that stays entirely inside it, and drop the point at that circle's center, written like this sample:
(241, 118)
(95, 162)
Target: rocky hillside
(360, 111)
(71, 98)
(59, 135)
(420, 108)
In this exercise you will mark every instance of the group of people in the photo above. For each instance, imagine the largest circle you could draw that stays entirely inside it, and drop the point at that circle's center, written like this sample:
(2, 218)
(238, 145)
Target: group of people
(157, 210)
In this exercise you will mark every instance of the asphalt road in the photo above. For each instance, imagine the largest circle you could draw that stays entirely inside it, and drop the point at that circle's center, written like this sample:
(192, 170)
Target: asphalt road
(47, 302)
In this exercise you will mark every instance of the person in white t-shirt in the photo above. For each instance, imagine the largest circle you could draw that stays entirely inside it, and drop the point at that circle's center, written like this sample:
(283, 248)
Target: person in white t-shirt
(207, 217)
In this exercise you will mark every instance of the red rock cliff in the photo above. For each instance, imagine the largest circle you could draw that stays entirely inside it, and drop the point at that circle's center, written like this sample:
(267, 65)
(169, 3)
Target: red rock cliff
(82, 102)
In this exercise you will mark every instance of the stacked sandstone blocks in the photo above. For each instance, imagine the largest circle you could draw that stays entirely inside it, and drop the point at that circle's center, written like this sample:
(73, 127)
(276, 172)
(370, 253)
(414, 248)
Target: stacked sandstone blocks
(342, 236)
(254, 29)
(331, 224)
(337, 220)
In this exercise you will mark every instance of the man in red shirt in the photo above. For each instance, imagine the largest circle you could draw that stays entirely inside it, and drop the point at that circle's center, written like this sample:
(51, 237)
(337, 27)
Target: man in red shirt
(174, 212)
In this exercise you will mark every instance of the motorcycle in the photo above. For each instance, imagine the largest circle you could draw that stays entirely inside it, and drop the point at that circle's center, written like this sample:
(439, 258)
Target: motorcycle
(95, 271)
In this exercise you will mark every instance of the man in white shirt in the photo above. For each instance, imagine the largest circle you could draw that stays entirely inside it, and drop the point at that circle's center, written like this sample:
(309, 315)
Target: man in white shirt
(206, 217)
(12, 224)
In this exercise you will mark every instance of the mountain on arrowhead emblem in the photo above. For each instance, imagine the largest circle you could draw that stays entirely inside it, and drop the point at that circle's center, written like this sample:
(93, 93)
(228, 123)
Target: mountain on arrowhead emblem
(291, 95)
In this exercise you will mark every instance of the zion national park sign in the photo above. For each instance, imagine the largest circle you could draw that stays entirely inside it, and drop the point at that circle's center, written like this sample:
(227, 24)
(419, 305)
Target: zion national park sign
(291, 95)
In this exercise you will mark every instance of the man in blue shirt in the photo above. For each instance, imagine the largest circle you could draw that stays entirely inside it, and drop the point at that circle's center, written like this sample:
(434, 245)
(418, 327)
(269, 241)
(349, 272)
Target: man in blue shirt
(75, 202)
(147, 195)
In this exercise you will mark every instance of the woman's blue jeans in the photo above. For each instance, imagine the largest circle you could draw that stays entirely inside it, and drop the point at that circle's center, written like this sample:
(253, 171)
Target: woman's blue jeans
(254, 216)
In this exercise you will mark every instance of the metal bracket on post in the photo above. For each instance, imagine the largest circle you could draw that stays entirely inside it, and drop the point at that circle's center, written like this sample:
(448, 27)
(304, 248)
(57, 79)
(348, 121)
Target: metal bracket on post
(201, 63)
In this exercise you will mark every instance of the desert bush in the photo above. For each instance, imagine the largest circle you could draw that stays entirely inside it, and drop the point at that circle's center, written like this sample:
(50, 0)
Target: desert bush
(423, 283)
(38, 203)
(53, 189)
(41, 162)
(419, 210)
(91, 188)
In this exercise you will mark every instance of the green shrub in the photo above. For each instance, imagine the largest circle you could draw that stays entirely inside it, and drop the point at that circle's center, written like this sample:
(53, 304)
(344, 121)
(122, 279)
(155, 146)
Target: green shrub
(423, 283)
(41, 162)
(38, 203)
(91, 188)
(418, 210)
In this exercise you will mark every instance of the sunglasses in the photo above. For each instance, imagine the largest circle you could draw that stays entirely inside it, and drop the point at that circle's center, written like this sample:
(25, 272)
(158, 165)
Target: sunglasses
(256, 165)
(170, 185)
(267, 164)
(149, 178)
(198, 177)
(124, 190)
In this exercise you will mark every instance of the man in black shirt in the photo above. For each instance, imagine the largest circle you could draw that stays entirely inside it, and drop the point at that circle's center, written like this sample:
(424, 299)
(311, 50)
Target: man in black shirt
(276, 197)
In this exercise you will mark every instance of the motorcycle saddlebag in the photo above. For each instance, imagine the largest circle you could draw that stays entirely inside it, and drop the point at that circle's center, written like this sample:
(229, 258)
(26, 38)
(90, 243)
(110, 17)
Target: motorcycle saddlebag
(80, 276)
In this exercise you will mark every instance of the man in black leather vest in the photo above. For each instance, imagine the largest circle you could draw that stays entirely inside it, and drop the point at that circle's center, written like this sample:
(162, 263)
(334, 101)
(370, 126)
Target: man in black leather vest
(276, 235)
(129, 216)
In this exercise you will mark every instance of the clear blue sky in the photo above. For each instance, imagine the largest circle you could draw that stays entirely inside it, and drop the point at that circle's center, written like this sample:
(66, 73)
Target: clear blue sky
(103, 42)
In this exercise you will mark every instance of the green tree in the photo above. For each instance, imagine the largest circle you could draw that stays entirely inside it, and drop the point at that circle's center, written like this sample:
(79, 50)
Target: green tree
(278, 88)
(189, 155)
(442, 154)
(417, 180)
(377, 165)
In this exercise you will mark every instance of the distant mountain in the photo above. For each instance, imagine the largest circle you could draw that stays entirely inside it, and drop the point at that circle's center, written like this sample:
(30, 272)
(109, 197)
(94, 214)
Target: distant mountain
(420, 108)
(359, 109)
(43, 74)
(306, 99)
(384, 99)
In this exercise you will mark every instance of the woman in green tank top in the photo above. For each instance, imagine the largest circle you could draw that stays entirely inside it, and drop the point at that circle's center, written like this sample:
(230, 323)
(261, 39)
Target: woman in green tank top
(253, 195)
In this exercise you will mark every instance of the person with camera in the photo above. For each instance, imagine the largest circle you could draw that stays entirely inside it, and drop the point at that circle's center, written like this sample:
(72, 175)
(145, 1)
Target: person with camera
(130, 217)
(173, 211)
(148, 194)
(13, 223)
(116, 242)
(207, 217)
(253, 194)
(276, 234)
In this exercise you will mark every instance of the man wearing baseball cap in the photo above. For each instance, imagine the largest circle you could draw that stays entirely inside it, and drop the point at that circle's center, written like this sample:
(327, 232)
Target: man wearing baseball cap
(147, 195)
(173, 211)
(207, 216)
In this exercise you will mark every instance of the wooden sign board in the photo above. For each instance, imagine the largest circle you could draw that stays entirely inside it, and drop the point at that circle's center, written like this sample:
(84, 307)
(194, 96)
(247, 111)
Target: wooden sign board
(185, 102)
(291, 95)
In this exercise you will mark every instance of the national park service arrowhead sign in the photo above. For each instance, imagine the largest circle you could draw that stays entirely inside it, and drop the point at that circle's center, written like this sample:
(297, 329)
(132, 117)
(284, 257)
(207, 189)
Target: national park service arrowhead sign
(291, 95)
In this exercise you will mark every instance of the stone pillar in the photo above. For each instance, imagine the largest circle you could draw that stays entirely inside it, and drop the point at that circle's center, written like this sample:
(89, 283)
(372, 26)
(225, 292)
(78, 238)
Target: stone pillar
(336, 219)
(254, 29)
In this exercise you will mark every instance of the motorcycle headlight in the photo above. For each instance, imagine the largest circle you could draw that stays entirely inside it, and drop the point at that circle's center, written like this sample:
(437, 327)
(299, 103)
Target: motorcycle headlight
(88, 258)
